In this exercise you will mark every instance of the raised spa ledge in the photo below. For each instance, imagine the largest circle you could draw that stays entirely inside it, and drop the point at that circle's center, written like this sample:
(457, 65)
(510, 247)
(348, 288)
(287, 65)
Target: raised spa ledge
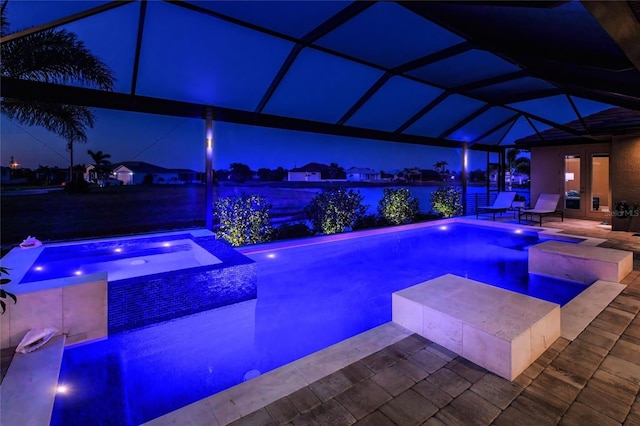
(498, 329)
(28, 390)
(79, 311)
(578, 262)
(163, 276)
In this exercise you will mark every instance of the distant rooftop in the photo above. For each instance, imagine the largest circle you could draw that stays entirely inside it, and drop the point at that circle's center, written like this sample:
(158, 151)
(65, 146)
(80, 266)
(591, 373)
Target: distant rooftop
(312, 167)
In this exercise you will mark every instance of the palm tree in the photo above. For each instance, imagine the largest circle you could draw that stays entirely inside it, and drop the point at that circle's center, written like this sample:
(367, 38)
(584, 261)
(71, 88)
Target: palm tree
(516, 164)
(53, 56)
(101, 162)
(440, 166)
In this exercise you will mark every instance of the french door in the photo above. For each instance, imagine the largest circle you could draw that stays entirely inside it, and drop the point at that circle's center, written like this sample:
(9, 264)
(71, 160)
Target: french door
(587, 190)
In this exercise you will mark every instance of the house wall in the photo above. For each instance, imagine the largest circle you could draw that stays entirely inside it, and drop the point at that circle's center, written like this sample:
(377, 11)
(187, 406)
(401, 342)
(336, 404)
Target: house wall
(124, 175)
(546, 167)
(625, 174)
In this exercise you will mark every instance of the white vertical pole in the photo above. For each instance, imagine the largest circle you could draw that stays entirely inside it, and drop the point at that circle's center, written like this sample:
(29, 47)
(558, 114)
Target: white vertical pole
(465, 165)
(208, 170)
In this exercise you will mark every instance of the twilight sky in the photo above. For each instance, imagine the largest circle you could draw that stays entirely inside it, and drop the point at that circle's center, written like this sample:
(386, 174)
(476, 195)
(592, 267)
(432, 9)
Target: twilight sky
(179, 143)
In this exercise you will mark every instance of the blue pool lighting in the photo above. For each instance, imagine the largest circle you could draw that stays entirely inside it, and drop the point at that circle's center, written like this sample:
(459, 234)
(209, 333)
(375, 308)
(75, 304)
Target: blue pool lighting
(332, 291)
(78, 272)
(38, 268)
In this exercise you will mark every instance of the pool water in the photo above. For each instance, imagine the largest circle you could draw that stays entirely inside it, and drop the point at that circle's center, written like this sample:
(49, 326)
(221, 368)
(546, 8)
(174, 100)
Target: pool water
(309, 297)
(125, 258)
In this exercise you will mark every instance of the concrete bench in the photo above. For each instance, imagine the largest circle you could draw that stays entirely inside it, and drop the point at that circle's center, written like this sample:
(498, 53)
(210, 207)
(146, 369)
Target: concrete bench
(28, 390)
(581, 263)
(497, 329)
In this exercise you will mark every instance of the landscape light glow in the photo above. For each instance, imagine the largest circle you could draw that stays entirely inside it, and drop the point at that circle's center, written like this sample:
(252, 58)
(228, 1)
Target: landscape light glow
(209, 139)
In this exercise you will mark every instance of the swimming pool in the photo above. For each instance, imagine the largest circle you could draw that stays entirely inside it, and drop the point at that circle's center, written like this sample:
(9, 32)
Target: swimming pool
(309, 297)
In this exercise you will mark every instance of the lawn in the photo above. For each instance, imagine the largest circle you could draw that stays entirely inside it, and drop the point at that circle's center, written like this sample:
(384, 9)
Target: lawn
(56, 215)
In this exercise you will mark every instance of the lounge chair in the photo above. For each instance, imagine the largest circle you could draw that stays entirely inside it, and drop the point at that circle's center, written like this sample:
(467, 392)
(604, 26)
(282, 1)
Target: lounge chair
(546, 205)
(500, 205)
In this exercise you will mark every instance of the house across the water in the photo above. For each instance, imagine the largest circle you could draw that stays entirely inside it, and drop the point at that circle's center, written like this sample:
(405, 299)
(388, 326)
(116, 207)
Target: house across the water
(139, 172)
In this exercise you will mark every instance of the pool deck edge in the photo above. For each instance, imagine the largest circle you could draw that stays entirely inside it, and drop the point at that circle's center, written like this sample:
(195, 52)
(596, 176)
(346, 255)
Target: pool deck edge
(245, 398)
(28, 391)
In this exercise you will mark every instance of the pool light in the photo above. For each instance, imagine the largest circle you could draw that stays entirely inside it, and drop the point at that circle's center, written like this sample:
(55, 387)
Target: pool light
(518, 231)
(118, 250)
(62, 389)
(271, 255)
(443, 228)
(38, 268)
(166, 244)
(78, 272)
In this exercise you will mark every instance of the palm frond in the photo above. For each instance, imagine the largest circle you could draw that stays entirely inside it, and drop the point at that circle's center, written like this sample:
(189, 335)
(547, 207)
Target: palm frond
(54, 56)
(4, 23)
(67, 121)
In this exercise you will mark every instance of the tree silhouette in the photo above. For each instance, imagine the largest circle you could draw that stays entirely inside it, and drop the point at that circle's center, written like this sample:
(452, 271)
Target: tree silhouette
(54, 56)
(100, 162)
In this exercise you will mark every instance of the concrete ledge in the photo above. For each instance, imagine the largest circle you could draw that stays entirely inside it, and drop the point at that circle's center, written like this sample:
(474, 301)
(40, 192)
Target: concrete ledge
(79, 311)
(577, 262)
(231, 404)
(579, 312)
(497, 329)
(28, 390)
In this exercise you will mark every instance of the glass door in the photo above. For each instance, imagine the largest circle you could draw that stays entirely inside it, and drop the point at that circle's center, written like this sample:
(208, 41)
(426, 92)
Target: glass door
(600, 190)
(573, 186)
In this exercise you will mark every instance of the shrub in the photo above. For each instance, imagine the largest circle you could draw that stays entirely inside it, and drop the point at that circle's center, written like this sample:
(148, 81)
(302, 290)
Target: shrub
(447, 200)
(397, 206)
(369, 221)
(244, 219)
(334, 210)
(293, 230)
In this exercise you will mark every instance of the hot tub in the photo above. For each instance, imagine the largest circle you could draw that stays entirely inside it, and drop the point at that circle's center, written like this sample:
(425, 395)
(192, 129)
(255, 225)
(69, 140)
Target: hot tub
(120, 259)
(150, 278)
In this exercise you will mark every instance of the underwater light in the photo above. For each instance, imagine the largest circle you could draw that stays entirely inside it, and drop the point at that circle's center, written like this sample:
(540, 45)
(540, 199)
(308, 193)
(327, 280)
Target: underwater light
(78, 272)
(62, 389)
(166, 244)
(271, 255)
(118, 250)
(443, 228)
(518, 231)
(38, 268)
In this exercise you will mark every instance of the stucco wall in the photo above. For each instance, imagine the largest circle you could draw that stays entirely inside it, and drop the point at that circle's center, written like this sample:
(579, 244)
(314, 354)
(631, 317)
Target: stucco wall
(625, 173)
(546, 166)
